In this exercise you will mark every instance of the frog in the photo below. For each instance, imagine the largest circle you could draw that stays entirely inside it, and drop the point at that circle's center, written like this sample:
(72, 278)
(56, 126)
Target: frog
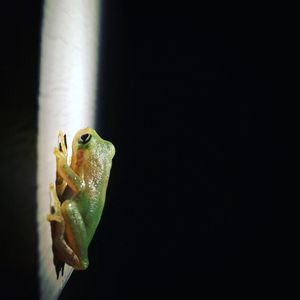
(78, 196)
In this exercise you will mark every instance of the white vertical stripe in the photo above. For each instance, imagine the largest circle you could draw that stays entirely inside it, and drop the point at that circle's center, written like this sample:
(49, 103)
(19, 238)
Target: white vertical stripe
(68, 83)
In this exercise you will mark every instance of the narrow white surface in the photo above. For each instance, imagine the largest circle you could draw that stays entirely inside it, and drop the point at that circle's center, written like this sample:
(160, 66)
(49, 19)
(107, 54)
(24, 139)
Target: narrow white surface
(68, 79)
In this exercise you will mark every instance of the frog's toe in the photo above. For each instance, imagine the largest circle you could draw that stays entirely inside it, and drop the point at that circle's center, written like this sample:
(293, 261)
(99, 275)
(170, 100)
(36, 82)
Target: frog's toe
(65, 146)
(56, 152)
(55, 218)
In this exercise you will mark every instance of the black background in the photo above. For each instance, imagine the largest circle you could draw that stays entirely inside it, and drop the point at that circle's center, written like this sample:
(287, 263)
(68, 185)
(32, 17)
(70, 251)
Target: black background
(185, 96)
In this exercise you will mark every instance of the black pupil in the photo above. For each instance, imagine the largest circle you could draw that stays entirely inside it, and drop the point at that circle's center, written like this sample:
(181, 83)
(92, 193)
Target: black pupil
(85, 138)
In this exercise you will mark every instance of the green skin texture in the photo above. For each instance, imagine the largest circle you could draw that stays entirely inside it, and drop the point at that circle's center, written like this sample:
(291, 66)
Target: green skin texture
(79, 196)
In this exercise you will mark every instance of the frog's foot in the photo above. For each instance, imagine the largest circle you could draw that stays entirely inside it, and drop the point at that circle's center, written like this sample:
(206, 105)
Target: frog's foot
(62, 142)
(61, 152)
(61, 158)
(54, 218)
(55, 215)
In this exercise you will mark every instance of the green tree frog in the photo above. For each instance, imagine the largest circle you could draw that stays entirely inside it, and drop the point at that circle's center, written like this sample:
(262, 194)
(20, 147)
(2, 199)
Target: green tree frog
(78, 196)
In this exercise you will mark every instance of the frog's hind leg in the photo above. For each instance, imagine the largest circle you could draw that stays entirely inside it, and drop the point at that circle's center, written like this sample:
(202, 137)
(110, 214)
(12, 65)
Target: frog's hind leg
(76, 232)
(61, 250)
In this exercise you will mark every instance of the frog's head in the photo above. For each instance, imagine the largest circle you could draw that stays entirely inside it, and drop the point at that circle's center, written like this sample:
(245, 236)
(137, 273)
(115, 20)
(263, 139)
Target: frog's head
(89, 149)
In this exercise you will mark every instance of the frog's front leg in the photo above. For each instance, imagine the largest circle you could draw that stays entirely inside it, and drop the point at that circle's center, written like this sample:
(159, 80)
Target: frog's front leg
(75, 182)
(62, 251)
(60, 183)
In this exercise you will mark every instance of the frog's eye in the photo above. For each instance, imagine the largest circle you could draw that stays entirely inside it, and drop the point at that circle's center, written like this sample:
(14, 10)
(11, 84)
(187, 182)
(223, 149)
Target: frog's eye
(84, 138)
